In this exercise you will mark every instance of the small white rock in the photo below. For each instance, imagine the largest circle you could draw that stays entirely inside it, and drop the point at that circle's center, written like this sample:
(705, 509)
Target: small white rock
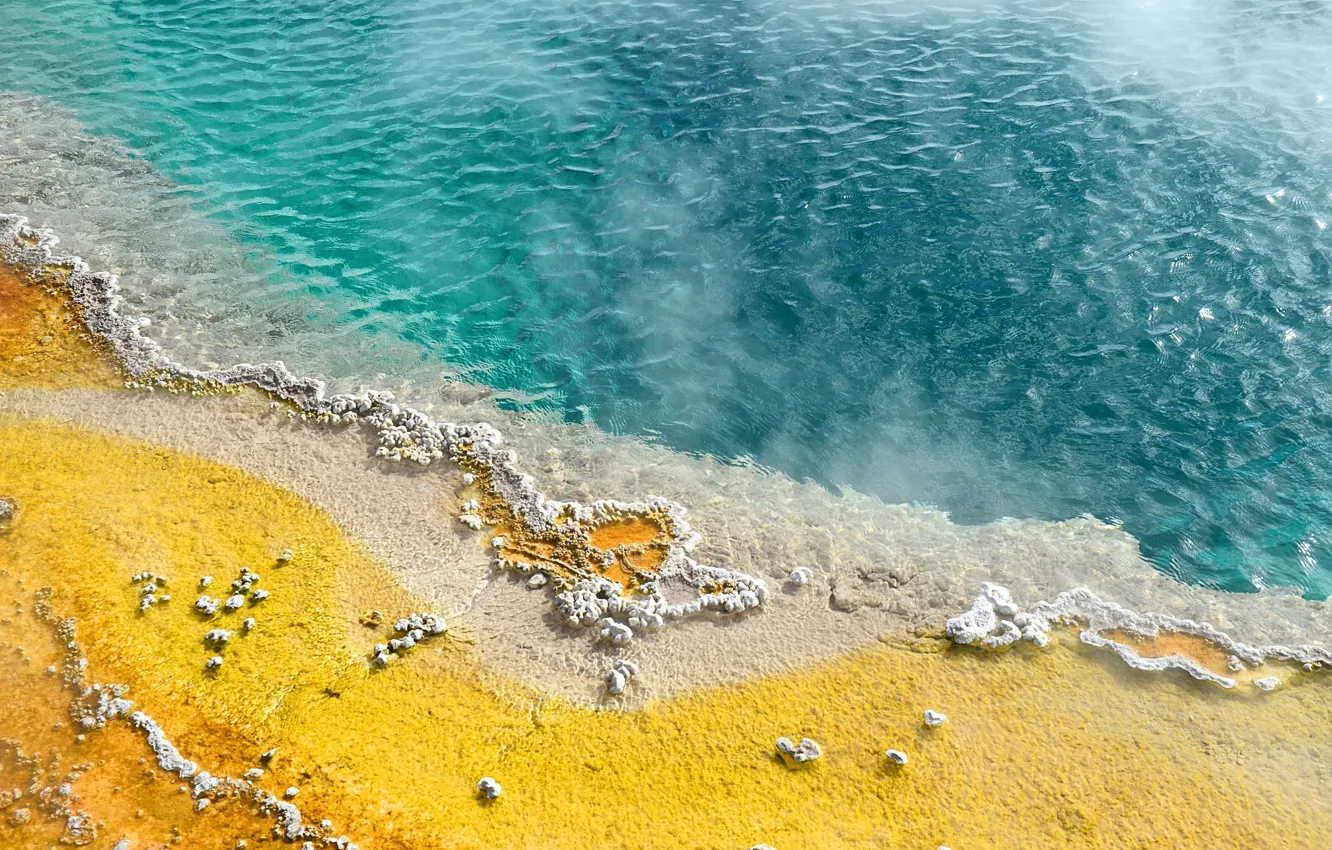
(801, 576)
(807, 750)
(214, 662)
(1267, 683)
(235, 602)
(468, 478)
(935, 718)
(205, 581)
(537, 580)
(292, 792)
(248, 624)
(897, 756)
(489, 788)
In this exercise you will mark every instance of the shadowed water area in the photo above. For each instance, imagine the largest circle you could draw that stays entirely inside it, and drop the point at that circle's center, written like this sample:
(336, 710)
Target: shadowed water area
(1023, 258)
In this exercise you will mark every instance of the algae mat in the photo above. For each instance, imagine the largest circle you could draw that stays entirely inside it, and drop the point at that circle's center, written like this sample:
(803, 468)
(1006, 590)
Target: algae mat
(1051, 748)
(42, 342)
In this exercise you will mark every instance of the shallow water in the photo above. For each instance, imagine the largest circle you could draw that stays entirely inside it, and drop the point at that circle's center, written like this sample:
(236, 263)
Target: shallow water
(1024, 258)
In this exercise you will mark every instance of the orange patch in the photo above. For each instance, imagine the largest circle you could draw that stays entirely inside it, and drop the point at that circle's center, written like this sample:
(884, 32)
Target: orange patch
(42, 342)
(640, 545)
(112, 772)
(1200, 650)
(631, 531)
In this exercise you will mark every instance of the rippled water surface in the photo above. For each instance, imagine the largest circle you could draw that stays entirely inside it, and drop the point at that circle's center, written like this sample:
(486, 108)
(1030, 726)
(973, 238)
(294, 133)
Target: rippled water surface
(1010, 258)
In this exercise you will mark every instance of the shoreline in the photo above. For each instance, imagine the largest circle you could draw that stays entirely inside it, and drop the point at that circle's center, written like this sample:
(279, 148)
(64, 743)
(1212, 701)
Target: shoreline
(408, 437)
(1044, 743)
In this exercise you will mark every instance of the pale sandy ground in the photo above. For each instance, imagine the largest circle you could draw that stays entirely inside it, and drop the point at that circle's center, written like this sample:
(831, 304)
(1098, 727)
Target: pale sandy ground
(881, 570)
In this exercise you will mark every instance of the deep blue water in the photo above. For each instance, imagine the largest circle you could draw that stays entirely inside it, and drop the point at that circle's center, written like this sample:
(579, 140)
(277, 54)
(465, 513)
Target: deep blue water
(1022, 258)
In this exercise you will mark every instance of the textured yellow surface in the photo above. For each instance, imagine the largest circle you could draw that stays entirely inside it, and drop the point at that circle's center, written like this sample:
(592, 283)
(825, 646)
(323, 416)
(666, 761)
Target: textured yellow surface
(109, 772)
(1044, 748)
(41, 343)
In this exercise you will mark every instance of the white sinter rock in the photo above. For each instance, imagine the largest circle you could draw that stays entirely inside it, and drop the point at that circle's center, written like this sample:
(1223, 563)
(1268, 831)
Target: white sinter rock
(807, 750)
(618, 676)
(801, 576)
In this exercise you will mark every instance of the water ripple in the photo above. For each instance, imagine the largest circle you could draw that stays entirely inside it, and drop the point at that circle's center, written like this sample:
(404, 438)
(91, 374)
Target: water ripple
(1011, 258)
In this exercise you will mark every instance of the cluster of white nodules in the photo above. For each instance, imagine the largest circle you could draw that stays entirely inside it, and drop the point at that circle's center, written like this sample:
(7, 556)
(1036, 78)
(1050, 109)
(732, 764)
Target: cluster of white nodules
(404, 434)
(209, 605)
(600, 602)
(488, 788)
(618, 676)
(614, 632)
(150, 589)
(994, 620)
(807, 750)
(414, 629)
(801, 576)
(111, 703)
(935, 719)
(242, 587)
(469, 516)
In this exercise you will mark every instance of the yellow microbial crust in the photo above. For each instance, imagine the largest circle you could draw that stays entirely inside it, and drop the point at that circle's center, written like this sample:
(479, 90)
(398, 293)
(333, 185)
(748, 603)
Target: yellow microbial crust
(110, 775)
(42, 343)
(1061, 747)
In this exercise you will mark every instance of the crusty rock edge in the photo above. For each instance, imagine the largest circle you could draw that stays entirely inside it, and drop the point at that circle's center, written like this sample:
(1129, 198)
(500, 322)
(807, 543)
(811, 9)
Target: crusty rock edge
(404, 434)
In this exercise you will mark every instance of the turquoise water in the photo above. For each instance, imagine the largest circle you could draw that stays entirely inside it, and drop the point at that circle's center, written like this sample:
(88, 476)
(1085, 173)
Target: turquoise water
(1023, 258)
